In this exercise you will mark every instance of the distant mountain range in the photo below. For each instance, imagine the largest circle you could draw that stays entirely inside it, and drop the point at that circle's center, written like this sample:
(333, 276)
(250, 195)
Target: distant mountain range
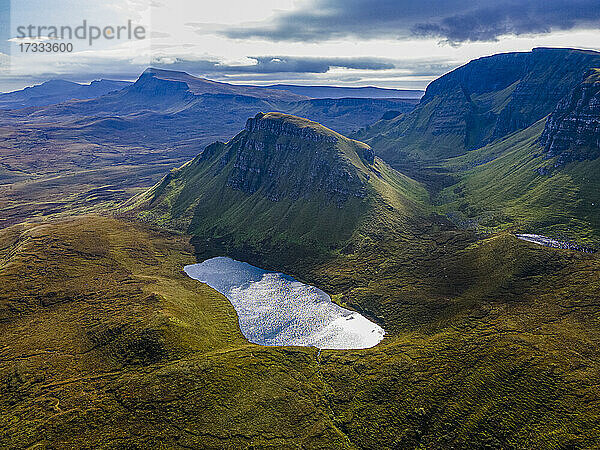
(58, 91)
(164, 118)
(348, 92)
(221, 109)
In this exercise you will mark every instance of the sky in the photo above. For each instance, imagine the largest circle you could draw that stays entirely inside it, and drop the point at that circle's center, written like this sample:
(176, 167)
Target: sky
(386, 43)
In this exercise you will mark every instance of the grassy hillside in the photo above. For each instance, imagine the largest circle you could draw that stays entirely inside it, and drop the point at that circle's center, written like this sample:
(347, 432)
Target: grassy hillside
(105, 342)
(275, 191)
(490, 343)
(513, 184)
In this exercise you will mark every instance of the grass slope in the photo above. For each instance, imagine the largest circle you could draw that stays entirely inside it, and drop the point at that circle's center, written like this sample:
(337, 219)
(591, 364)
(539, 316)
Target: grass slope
(491, 343)
(511, 184)
(106, 343)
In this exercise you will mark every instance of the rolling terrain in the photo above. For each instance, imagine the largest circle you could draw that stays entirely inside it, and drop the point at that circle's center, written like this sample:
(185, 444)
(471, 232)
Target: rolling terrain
(83, 154)
(491, 341)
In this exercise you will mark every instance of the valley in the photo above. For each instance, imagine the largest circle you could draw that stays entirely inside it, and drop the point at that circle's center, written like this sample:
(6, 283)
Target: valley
(144, 234)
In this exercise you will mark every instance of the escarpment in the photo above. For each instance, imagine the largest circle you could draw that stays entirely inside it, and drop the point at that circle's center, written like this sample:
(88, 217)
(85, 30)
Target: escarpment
(572, 131)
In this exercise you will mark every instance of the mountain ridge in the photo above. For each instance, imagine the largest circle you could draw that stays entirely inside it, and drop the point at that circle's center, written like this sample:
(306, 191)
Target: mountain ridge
(324, 91)
(58, 91)
(266, 186)
(199, 86)
(480, 102)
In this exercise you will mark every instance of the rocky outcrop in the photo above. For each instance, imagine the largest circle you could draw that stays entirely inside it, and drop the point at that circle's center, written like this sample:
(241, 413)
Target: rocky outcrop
(149, 84)
(550, 74)
(279, 127)
(294, 159)
(572, 131)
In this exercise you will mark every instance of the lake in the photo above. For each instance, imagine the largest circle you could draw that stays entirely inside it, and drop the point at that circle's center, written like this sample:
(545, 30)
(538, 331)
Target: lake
(275, 309)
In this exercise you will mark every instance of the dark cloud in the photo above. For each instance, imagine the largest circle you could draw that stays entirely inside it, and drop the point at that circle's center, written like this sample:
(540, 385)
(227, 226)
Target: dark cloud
(453, 21)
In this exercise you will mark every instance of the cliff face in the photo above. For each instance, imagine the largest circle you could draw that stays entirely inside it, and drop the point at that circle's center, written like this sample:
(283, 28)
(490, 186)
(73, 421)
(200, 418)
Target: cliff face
(150, 85)
(550, 74)
(572, 131)
(285, 158)
(528, 87)
(482, 101)
(276, 125)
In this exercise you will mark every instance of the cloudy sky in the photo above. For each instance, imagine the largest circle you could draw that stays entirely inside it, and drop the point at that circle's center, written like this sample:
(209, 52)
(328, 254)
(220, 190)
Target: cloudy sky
(386, 43)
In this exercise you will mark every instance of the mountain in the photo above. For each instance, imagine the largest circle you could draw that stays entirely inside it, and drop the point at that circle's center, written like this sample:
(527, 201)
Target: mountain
(200, 86)
(58, 91)
(348, 92)
(479, 103)
(540, 180)
(265, 187)
(87, 148)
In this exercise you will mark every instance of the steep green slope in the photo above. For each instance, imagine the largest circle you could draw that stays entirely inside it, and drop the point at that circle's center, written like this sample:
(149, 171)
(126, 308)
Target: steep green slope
(282, 183)
(540, 180)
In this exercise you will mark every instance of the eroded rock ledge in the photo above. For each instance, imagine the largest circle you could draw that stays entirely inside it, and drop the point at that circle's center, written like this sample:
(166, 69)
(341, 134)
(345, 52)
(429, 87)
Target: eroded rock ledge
(572, 131)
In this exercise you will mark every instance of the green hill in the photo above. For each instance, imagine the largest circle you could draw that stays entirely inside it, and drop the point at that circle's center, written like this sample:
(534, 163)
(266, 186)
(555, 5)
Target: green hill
(508, 141)
(282, 184)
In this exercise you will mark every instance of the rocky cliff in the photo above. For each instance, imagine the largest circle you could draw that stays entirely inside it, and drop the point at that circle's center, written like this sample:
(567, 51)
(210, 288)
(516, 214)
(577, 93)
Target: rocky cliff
(282, 156)
(480, 102)
(572, 131)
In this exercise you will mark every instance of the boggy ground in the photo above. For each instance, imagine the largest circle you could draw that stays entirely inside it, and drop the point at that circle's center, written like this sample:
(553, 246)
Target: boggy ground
(105, 342)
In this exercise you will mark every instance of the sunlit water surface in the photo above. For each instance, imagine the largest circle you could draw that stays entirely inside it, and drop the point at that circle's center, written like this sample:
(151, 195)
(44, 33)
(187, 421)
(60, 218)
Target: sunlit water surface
(275, 309)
